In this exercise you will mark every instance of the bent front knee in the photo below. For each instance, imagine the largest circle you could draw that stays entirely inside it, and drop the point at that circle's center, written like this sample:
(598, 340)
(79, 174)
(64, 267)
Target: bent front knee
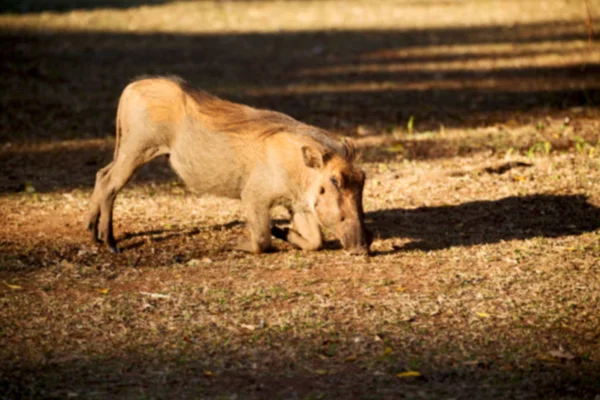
(313, 245)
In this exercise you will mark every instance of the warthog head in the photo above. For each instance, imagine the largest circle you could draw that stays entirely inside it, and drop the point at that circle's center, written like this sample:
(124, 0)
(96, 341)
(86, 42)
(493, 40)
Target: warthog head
(335, 194)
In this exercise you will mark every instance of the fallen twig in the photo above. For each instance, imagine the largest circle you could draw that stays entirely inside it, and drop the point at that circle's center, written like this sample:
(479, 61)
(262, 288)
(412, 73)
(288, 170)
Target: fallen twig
(156, 295)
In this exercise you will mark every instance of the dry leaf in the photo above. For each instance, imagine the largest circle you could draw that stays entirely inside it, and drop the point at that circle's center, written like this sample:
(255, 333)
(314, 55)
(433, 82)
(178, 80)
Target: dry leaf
(519, 178)
(562, 354)
(321, 372)
(13, 287)
(208, 373)
(408, 374)
(362, 130)
(483, 315)
(545, 357)
(194, 262)
(104, 291)
(249, 327)
(387, 351)
(398, 148)
(351, 358)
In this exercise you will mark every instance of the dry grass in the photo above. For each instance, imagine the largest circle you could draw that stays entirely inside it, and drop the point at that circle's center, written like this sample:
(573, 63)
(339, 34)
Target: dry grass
(486, 207)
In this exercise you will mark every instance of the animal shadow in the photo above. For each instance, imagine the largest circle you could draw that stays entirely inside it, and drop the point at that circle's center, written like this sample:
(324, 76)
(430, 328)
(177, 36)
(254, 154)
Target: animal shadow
(162, 235)
(487, 221)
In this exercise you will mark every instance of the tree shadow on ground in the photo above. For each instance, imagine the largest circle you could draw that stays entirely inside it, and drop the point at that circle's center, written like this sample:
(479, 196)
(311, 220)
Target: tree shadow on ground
(334, 79)
(486, 221)
(35, 6)
(125, 241)
(193, 375)
(65, 168)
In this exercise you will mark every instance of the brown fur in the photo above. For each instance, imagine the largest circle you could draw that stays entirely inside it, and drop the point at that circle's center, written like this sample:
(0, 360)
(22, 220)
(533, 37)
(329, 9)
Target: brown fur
(219, 147)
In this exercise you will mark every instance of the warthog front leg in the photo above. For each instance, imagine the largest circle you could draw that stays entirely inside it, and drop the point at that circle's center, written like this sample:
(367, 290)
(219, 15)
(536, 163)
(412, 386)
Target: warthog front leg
(258, 223)
(304, 233)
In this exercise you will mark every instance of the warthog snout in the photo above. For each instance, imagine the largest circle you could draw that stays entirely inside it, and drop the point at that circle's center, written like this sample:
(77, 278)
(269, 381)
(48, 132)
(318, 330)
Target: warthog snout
(357, 241)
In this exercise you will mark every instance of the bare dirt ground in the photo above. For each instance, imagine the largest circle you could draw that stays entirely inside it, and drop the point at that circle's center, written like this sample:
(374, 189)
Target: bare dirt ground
(479, 126)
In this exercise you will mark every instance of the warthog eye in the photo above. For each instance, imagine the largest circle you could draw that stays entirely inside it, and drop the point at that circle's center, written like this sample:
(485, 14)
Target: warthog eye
(322, 191)
(334, 182)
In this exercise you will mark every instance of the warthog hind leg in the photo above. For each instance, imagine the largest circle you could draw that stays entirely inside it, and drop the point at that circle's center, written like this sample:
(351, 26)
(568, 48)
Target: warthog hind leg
(94, 214)
(109, 181)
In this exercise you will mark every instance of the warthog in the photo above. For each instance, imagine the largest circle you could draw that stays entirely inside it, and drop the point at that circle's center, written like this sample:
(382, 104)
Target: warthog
(217, 147)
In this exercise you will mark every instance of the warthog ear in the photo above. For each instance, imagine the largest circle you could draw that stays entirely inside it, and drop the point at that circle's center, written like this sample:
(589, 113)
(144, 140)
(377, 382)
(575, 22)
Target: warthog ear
(313, 158)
